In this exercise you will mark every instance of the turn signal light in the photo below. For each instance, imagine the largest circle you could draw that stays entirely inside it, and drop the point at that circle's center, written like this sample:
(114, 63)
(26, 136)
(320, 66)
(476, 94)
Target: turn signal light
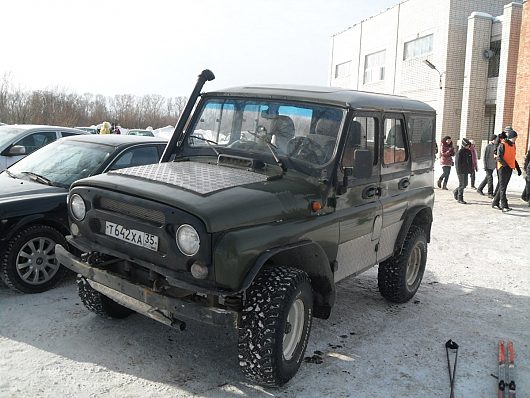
(316, 206)
(199, 271)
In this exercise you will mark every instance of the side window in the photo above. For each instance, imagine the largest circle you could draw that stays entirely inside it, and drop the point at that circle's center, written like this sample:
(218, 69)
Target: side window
(362, 134)
(421, 130)
(35, 141)
(67, 133)
(137, 156)
(395, 146)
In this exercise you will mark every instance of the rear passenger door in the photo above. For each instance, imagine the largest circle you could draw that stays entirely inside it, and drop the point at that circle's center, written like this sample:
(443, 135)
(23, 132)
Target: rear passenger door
(359, 209)
(395, 180)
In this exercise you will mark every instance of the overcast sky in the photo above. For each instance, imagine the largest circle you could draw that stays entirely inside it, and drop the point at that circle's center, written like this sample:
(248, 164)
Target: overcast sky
(159, 47)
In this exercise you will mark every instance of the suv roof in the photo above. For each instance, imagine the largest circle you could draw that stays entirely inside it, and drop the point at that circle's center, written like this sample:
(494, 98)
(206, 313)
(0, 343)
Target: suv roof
(328, 95)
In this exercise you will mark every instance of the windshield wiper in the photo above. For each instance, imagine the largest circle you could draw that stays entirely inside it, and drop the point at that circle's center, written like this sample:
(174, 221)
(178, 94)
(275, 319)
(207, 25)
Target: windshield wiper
(12, 175)
(38, 178)
(209, 142)
(271, 147)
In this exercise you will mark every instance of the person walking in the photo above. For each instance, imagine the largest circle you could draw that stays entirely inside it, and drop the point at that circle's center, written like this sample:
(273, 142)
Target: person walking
(447, 151)
(489, 167)
(474, 156)
(506, 162)
(464, 166)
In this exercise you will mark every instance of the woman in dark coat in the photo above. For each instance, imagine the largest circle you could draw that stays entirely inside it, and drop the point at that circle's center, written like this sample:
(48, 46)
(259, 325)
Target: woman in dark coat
(447, 151)
(464, 166)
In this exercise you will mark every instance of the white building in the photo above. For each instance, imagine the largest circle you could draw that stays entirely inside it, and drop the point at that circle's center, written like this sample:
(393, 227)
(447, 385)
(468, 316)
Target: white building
(470, 43)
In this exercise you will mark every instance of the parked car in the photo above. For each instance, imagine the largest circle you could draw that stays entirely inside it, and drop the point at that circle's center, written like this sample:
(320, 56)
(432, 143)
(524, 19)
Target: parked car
(19, 140)
(91, 130)
(255, 231)
(33, 196)
(145, 133)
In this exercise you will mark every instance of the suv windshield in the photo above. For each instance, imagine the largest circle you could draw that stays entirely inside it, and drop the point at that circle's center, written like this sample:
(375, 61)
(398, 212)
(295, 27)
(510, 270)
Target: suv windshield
(63, 162)
(301, 132)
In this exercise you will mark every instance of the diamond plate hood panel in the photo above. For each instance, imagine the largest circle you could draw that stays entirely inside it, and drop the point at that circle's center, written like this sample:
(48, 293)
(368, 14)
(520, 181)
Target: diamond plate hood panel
(201, 178)
(222, 197)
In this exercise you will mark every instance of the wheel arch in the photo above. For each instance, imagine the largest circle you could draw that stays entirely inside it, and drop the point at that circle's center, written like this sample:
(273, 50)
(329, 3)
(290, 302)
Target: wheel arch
(420, 216)
(309, 257)
(35, 219)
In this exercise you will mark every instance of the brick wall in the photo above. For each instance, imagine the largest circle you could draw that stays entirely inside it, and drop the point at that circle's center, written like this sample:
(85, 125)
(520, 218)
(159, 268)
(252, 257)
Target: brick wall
(521, 112)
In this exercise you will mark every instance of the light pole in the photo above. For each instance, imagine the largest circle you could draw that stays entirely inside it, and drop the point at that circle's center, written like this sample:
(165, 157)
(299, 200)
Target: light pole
(431, 65)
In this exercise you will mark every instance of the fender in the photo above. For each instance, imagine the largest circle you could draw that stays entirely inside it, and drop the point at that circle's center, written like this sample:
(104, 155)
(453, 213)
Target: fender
(12, 229)
(307, 256)
(418, 215)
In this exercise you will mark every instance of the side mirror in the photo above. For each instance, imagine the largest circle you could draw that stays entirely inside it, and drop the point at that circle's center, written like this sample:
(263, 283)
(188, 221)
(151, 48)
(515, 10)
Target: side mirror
(17, 150)
(363, 160)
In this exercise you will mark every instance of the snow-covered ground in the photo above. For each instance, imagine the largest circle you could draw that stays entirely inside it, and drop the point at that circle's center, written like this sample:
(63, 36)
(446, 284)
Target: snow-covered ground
(476, 290)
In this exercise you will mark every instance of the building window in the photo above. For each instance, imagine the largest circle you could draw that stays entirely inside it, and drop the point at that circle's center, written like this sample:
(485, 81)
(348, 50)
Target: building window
(494, 61)
(418, 47)
(343, 69)
(374, 67)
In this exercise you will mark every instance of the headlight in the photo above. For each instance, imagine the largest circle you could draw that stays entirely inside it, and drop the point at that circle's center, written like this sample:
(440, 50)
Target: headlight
(188, 240)
(77, 205)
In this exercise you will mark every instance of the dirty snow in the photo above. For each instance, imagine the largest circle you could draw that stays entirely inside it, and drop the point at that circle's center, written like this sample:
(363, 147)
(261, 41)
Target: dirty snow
(476, 290)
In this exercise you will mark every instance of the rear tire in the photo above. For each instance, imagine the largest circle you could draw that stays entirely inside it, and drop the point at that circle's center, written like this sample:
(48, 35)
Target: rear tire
(400, 276)
(275, 325)
(99, 303)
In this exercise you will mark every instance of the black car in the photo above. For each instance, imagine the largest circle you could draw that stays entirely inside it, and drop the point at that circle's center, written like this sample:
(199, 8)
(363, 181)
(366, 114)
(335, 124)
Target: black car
(33, 200)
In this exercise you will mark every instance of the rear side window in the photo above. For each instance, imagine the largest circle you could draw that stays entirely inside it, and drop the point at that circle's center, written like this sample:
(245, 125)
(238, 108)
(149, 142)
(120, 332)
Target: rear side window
(395, 142)
(421, 130)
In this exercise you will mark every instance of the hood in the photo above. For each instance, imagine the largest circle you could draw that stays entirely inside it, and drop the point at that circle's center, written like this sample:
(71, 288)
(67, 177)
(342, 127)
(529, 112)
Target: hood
(15, 189)
(222, 197)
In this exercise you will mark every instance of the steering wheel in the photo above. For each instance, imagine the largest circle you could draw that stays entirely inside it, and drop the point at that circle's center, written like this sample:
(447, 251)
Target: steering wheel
(306, 149)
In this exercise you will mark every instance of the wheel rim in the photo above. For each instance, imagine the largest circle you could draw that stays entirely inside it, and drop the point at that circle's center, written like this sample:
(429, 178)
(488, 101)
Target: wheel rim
(293, 328)
(36, 263)
(413, 266)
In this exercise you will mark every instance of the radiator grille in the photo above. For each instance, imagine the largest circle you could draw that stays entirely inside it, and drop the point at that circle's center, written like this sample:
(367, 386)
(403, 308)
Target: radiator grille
(127, 209)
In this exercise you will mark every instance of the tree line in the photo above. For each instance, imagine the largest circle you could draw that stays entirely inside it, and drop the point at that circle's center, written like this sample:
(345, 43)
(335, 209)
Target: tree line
(56, 107)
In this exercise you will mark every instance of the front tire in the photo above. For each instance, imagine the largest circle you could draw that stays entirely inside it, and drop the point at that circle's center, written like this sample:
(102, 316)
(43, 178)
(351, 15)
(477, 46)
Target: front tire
(400, 276)
(29, 264)
(275, 325)
(98, 303)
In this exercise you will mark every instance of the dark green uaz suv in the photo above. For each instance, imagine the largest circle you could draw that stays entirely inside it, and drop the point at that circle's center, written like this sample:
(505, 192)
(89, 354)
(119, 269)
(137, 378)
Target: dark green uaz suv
(265, 198)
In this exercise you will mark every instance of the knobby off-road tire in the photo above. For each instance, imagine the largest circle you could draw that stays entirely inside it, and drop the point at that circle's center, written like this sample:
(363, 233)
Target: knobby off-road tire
(28, 263)
(275, 325)
(400, 276)
(99, 303)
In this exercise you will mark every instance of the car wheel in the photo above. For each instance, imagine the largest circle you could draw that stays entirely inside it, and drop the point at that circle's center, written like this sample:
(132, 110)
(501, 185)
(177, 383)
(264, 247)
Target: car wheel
(29, 264)
(98, 303)
(275, 325)
(400, 276)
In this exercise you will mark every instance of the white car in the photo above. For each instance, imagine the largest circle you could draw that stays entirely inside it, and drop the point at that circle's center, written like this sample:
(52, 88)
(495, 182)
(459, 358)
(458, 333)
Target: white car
(19, 140)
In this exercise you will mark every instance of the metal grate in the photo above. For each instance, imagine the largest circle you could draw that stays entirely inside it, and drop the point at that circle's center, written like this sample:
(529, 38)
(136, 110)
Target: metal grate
(131, 210)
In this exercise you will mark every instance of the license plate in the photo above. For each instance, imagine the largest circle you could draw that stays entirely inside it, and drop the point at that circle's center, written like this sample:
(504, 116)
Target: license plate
(138, 238)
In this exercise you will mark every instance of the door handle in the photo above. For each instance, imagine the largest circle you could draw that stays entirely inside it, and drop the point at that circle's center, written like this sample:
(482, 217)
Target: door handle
(404, 183)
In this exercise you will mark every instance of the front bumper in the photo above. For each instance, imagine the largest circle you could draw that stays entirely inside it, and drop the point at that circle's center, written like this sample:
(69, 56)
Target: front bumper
(142, 299)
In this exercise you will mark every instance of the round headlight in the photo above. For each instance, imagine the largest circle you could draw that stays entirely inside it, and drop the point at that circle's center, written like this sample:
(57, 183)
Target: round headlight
(77, 205)
(188, 240)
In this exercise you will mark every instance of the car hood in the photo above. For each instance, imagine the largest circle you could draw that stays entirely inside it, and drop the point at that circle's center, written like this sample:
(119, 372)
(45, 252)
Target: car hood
(222, 197)
(16, 189)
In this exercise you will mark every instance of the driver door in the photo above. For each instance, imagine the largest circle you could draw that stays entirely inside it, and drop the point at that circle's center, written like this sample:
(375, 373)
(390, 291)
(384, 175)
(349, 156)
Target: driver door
(359, 208)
